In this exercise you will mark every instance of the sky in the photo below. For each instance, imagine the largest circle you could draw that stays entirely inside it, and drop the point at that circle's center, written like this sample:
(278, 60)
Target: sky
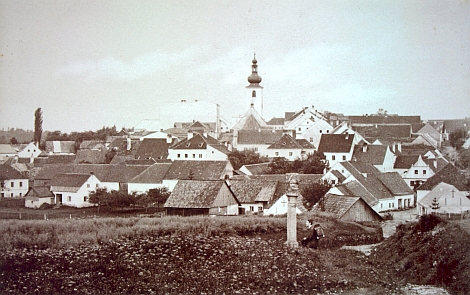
(89, 64)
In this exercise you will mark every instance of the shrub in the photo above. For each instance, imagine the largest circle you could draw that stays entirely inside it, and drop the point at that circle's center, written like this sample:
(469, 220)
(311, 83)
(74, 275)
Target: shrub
(428, 222)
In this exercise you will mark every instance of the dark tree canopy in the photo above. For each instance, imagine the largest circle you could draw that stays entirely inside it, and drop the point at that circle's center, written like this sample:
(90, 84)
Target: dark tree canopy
(314, 193)
(246, 157)
(313, 164)
(457, 138)
(37, 126)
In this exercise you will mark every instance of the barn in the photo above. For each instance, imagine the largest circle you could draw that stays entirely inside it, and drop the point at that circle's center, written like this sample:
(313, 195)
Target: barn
(347, 208)
(200, 197)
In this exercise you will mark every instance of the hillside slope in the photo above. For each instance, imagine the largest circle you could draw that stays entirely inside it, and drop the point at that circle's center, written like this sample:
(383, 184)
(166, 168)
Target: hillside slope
(427, 254)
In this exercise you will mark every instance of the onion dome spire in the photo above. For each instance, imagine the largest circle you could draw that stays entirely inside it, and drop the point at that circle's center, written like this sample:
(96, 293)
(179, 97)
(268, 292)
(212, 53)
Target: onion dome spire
(254, 78)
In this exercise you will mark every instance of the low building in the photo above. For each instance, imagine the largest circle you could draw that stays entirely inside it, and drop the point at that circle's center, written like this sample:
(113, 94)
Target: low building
(446, 201)
(193, 197)
(13, 183)
(73, 189)
(353, 209)
(38, 195)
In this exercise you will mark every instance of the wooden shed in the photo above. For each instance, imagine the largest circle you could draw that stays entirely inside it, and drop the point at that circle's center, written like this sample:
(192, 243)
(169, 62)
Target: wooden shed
(347, 208)
(198, 197)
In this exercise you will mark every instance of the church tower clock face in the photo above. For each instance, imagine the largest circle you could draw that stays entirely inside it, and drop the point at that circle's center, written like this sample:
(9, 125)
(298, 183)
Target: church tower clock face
(254, 89)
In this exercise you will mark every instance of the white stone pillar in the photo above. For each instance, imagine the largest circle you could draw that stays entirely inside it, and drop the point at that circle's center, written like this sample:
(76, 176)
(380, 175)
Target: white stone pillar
(292, 194)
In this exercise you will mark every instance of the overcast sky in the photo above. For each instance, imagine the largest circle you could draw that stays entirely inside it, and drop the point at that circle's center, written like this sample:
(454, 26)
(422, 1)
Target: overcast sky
(93, 63)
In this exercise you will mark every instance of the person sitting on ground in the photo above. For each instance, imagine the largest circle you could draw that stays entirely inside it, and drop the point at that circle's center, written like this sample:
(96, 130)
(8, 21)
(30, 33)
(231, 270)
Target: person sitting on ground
(312, 240)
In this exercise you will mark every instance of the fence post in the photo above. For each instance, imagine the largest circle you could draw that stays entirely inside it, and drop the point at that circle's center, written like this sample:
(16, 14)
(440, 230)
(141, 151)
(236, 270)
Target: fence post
(45, 216)
(70, 216)
(20, 215)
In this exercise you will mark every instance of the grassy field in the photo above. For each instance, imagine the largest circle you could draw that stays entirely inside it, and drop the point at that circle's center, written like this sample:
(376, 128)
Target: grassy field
(204, 255)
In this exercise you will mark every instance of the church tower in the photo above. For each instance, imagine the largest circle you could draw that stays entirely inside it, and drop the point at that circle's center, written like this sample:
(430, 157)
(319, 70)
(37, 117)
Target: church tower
(254, 90)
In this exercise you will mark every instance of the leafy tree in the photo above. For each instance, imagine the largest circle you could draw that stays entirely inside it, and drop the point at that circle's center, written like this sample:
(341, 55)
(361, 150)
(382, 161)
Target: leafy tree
(121, 200)
(279, 165)
(13, 140)
(313, 164)
(457, 138)
(100, 197)
(37, 126)
(313, 193)
(245, 157)
(464, 159)
(154, 196)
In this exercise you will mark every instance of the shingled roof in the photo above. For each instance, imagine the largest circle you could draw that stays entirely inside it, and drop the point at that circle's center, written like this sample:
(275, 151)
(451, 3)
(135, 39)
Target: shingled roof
(288, 142)
(405, 161)
(260, 136)
(39, 192)
(195, 194)
(153, 174)
(338, 206)
(68, 182)
(253, 190)
(7, 172)
(449, 174)
(154, 148)
(336, 143)
(373, 154)
(395, 183)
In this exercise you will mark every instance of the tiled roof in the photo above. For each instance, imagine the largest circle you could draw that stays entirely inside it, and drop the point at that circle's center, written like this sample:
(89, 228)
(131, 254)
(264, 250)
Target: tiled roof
(374, 154)
(405, 161)
(305, 144)
(92, 144)
(338, 205)
(153, 174)
(39, 192)
(7, 149)
(91, 156)
(154, 148)
(199, 170)
(453, 125)
(336, 143)
(198, 141)
(120, 145)
(276, 121)
(391, 119)
(72, 180)
(355, 189)
(7, 172)
(253, 190)
(285, 142)
(384, 131)
(450, 175)
(267, 137)
(364, 167)
(257, 169)
(60, 147)
(415, 127)
(338, 175)
(104, 172)
(395, 183)
(195, 194)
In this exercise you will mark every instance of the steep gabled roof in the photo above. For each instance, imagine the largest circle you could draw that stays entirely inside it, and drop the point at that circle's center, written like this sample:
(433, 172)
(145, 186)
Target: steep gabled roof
(253, 190)
(257, 169)
(7, 149)
(285, 142)
(90, 156)
(338, 175)
(379, 119)
(364, 167)
(395, 183)
(276, 121)
(195, 194)
(374, 154)
(250, 121)
(72, 181)
(153, 174)
(267, 137)
(450, 175)
(356, 189)
(450, 199)
(197, 141)
(305, 144)
(39, 192)
(154, 148)
(405, 161)
(336, 143)
(198, 170)
(7, 172)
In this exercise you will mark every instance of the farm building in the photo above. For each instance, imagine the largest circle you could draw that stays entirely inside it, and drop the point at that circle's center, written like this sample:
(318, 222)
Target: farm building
(196, 197)
(347, 208)
(73, 189)
(445, 200)
(38, 195)
(253, 194)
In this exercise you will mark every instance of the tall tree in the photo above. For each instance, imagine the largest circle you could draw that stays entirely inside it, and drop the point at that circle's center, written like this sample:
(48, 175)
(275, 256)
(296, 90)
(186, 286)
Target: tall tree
(37, 126)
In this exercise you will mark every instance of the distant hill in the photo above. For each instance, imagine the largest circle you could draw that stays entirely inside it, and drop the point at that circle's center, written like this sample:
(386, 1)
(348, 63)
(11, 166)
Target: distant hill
(22, 136)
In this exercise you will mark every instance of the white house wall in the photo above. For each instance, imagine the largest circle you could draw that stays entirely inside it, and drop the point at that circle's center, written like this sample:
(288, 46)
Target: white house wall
(13, 188)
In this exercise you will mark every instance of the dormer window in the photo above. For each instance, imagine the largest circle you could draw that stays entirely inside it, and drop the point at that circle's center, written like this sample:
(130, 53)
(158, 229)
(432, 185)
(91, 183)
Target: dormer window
(253, 93)
(188, 144)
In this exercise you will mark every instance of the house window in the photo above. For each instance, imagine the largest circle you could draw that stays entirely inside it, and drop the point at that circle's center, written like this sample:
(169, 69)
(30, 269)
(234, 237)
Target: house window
(290, 153)
(84, 199)
(12, 184)
(300, 129)
(21, 184)
(276, 154)
(381, 206)
(416, 171)
(253, 93)
(333, 157)
(256, 148)
(424, 172)
(320, 131)
(252, 208)
(412, 183)
(311, 139)
(344, 158)
(32, 202)
(88, 185)
(11, 195)
(333, 181)
(69, 199)
(178, 156)
(260, 208)
(21, 194)
(327, 131)
(194, 156)
(185, 156)
(200, 156)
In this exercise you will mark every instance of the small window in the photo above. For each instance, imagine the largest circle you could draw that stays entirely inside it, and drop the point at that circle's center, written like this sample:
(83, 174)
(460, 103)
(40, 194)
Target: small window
(333, 181)
(327, 131)
(88, 185)
(21, 194)
(260, 208)
(290, 153)
(11, 195)
(97, 185)
(185, 156)
(253, 93)
(412, 182)
(333, 157)
(344, 158)
(256, 148)
(276, 154)
(424, 172)
(194, 156)
(200, 156)
(32, 202)
(69, 199)
(416, 171)
(178, 156)
(21, 184)
(84, 199)
(252, 208)
(12, 184)
(300, 129)
(311, 139)
(320, 131)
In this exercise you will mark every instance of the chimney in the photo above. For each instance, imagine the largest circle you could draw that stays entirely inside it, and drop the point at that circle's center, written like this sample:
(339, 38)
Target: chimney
(129, 143)
(347, 136)
(399, 147)
(190, 134)
(393, 147)
(169, 139)
(364, 147)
